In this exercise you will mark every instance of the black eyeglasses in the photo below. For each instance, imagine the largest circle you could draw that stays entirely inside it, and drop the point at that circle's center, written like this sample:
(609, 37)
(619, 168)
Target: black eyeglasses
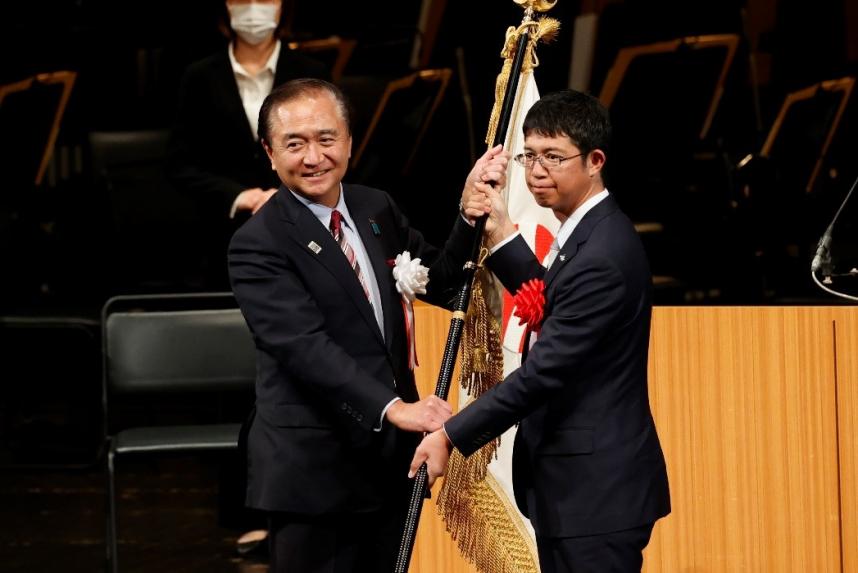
(548, 161)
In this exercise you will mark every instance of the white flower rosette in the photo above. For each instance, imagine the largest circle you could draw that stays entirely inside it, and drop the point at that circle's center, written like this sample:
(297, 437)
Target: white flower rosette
(411, 279)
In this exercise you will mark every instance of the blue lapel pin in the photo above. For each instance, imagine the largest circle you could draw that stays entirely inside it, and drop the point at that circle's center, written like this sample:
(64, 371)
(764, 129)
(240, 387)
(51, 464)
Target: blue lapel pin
(375, 230)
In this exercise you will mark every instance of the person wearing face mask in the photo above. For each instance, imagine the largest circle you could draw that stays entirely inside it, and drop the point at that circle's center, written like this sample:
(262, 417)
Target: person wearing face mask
(214, 153)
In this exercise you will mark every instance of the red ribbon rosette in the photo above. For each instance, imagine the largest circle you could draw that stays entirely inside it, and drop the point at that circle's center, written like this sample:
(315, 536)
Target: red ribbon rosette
(530, 304)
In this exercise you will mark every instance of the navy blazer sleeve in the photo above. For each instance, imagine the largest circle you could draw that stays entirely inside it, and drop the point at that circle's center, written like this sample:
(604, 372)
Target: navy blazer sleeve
(446, 266)
(588, 301)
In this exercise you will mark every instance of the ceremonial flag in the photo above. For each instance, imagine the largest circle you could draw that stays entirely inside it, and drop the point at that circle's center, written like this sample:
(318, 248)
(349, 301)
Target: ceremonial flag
(477, 500)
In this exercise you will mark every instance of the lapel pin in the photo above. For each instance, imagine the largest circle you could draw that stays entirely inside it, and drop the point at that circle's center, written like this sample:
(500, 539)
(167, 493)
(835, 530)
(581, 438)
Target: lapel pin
(561, 257)
(375, 230)
(314, 246)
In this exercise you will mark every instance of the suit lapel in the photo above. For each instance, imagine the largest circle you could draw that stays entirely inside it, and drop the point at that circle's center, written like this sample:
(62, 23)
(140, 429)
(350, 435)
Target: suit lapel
(313, 237)
(580, 235)
(363, 219)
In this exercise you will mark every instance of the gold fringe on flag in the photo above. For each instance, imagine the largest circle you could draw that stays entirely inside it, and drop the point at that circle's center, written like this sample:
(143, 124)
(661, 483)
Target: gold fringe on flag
(483, 529)
(475, 515)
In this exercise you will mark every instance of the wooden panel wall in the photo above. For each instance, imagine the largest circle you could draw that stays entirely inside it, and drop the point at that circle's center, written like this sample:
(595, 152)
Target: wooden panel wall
(757, 409)
(744, 402)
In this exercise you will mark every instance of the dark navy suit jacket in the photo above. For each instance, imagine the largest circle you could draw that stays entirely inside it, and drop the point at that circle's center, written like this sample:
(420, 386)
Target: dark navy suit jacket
(587, 459)
(324, 370)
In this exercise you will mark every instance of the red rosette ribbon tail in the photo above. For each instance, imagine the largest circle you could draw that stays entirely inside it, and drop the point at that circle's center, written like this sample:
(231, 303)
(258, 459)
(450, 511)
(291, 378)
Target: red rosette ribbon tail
(410, 332)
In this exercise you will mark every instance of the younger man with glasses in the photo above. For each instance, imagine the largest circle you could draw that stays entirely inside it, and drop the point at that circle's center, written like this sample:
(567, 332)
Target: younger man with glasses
(588, 469)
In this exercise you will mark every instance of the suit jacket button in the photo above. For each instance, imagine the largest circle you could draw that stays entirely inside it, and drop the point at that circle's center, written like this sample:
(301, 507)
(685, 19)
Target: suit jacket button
(359, 417)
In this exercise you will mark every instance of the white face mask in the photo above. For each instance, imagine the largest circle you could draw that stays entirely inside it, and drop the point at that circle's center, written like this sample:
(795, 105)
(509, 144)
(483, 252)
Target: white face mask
(253, 22)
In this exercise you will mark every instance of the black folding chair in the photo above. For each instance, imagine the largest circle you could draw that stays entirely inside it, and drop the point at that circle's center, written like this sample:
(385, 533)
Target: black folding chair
(155, 243)
(169, 344)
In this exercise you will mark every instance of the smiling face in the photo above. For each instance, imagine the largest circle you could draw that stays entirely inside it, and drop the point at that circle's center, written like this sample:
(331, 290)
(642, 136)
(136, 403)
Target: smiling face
(565, 187)
(309, 146)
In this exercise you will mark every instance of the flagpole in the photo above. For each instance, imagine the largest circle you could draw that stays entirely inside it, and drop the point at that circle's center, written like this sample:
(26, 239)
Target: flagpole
(419, 489)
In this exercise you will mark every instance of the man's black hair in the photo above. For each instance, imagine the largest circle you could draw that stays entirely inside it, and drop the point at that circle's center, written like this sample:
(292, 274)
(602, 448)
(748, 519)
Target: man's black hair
(294, 89)
(580, 117)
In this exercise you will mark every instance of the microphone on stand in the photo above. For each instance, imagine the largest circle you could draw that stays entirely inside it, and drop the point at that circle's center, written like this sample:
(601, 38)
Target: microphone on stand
(823, 252)
(822, 258)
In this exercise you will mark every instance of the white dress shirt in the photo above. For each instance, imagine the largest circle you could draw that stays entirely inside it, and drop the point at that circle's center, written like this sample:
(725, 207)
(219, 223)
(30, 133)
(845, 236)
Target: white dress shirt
(569, 224)
(566, 228)
(253, 89)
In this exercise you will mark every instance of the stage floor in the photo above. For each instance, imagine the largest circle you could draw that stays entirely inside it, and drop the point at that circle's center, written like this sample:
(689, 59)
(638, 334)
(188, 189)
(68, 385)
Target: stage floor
(54, 520)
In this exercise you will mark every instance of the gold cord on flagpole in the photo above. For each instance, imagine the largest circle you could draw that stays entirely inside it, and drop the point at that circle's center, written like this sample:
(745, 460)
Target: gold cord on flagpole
(545, 30)
(482, 355)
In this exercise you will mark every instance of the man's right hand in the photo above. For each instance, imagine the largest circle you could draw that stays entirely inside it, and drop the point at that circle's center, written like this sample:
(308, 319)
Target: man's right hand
(427, 415)
(252, 199)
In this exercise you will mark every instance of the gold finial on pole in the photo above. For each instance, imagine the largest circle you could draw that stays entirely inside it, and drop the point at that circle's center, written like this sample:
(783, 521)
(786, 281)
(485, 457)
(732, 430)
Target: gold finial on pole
(536, 5)
(542, 29)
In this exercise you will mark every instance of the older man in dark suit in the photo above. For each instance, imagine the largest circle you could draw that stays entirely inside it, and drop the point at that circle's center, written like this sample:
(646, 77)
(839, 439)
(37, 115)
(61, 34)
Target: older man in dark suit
(588, 468)
(337, 411)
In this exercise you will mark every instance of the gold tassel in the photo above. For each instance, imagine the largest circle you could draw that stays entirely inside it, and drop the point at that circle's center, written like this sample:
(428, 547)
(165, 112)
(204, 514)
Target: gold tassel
(508, 53)
(545, 30)
(482, 355)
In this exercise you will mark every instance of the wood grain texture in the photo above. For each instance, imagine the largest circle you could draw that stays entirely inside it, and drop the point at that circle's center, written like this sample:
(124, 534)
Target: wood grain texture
(434, 549)
(744, 401)
(757, 410)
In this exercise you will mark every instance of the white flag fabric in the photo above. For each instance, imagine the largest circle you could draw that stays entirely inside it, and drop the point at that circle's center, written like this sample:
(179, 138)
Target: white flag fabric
(538, 227)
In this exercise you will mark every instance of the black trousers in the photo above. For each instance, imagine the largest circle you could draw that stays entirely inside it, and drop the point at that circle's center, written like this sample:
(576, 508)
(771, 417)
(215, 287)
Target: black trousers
(617, 552)
(341, 543)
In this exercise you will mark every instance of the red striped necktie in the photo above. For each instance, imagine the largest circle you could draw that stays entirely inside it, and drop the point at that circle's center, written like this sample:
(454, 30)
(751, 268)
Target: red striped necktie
(340, 237)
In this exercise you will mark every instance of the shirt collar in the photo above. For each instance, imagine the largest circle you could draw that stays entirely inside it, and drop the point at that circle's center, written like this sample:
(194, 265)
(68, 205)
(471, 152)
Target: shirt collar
(323, 212)
(270, 65)
(569, 224)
